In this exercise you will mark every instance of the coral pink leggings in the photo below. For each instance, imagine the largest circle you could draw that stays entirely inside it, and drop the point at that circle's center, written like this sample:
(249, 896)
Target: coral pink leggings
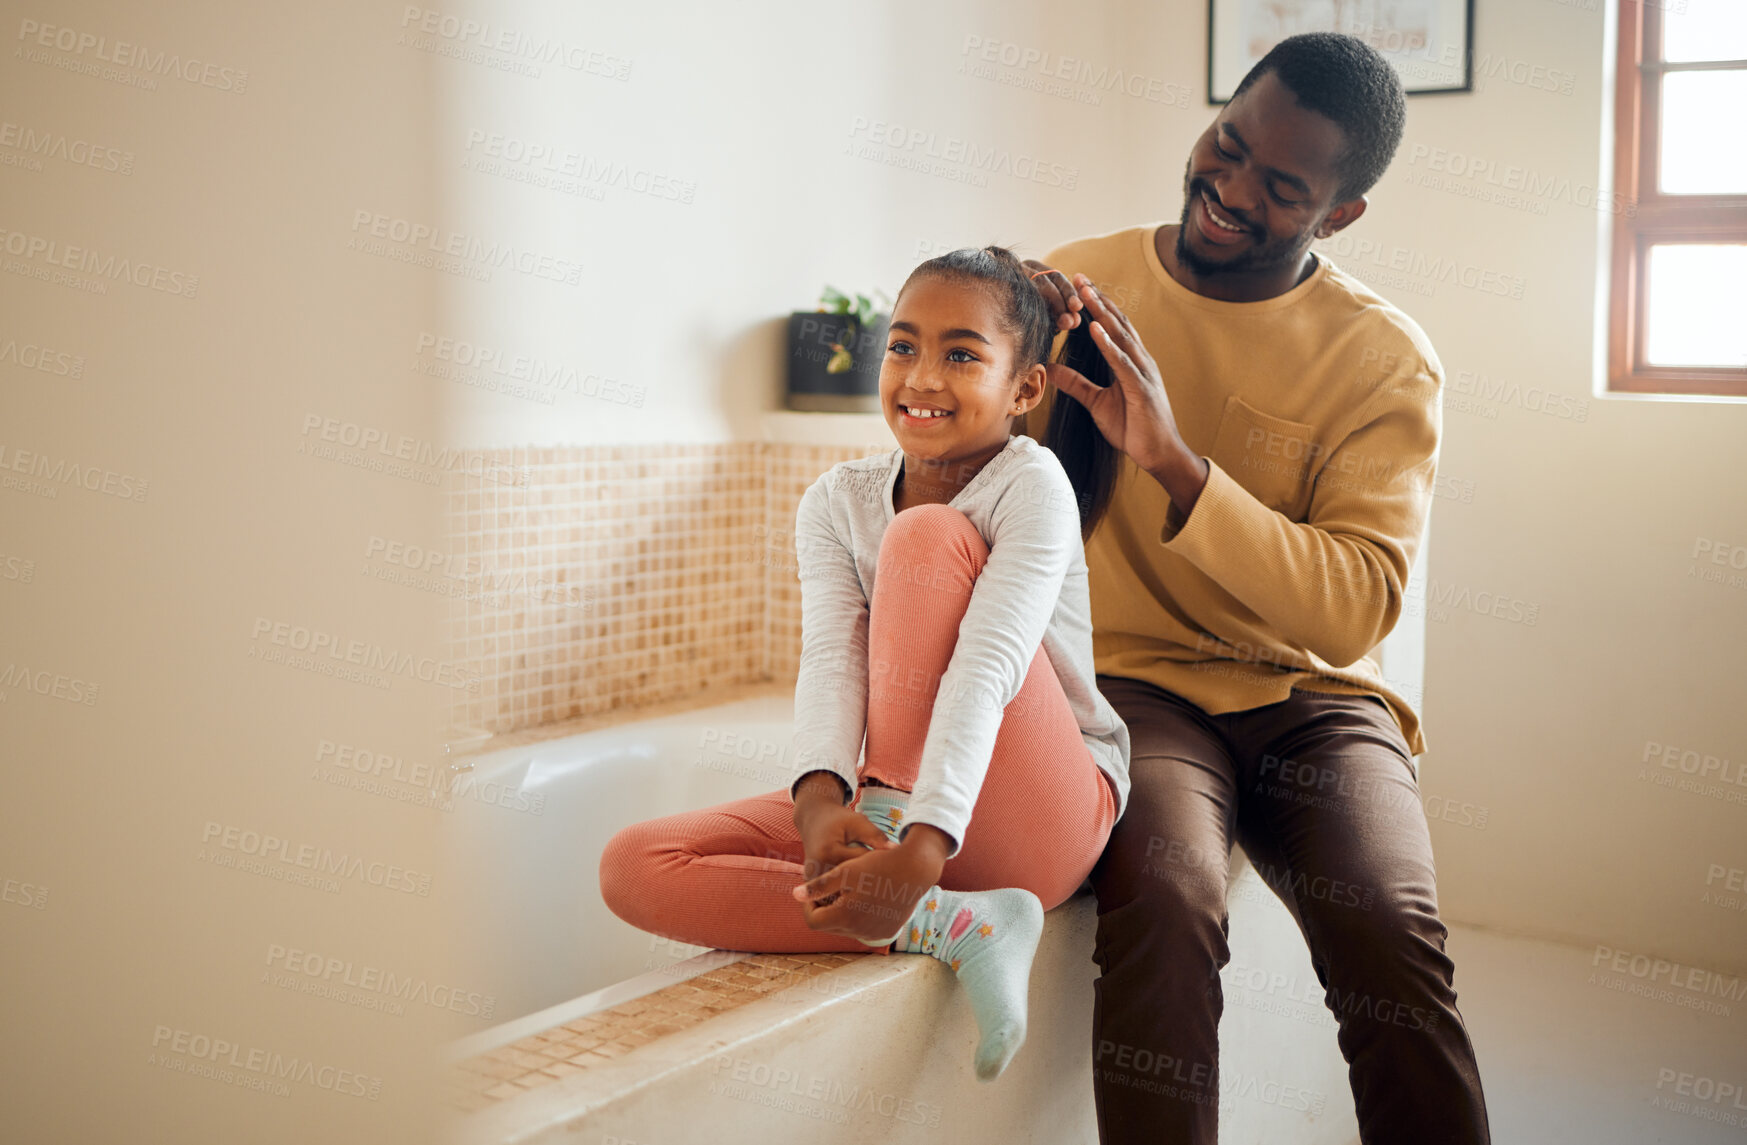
(721, 877)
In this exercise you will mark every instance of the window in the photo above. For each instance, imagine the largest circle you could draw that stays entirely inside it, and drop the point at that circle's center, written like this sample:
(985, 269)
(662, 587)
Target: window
(1678, 312)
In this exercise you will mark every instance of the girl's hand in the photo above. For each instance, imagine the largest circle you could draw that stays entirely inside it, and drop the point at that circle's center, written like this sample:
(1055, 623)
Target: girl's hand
(832, 833)
(869, 897)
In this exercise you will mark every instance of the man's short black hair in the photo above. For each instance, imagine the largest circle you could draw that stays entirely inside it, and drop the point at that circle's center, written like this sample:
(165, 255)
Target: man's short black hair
(1349, 81)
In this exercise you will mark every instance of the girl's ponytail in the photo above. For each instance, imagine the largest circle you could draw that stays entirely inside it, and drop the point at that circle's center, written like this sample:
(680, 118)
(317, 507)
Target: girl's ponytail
(1076, 440)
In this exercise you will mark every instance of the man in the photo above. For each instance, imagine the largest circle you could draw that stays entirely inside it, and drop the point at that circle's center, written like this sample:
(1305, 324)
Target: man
(1278, 424)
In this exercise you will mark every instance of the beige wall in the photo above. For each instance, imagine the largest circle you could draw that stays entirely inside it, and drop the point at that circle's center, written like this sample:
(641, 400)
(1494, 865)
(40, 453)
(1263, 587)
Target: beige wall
(148, 941)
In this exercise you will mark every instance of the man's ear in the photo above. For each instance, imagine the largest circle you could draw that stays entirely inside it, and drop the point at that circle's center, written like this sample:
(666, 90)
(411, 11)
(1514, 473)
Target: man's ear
(1342, 217)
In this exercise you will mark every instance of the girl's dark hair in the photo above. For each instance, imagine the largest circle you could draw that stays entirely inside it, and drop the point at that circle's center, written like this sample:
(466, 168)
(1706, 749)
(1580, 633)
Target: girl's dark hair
(1089, 460)
(1024, 314)
(1078, 443)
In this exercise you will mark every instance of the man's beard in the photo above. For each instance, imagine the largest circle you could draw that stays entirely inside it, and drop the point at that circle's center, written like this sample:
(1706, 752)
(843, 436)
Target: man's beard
(1267, 255)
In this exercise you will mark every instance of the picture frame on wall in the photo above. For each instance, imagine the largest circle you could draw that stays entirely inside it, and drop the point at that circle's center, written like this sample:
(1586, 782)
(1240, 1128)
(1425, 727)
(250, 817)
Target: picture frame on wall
(1428, 41)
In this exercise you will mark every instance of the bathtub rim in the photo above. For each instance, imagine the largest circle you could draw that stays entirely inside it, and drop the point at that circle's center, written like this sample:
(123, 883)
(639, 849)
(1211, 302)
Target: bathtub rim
(581, 1006)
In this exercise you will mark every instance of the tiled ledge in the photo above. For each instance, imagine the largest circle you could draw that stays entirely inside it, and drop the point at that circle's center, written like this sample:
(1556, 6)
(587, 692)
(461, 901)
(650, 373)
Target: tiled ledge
(527, 1089)
(703, 698)
(595, 1038)
(658, 1051)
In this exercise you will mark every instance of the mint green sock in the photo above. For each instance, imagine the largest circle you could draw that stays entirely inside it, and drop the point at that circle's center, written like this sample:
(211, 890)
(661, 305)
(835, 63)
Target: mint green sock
(988, 938)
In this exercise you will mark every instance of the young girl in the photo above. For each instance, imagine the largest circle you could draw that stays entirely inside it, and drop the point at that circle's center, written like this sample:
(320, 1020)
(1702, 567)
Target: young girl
(945, 615)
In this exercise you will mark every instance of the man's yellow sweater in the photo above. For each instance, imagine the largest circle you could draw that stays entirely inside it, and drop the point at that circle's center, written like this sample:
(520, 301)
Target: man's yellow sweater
(1319, 412)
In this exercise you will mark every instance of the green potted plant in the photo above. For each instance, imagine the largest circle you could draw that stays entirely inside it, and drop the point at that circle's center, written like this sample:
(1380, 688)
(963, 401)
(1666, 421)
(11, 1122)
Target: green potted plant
(835, 352)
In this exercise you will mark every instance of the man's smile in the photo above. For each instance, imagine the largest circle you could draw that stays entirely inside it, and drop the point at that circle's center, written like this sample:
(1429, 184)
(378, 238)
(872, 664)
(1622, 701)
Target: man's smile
(1215, 224)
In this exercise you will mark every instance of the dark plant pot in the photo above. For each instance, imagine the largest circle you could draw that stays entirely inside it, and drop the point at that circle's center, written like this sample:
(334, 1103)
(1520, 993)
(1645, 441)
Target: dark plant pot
(811, 386)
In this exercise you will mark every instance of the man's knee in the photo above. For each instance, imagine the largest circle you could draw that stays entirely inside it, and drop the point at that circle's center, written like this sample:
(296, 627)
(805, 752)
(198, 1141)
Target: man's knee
(1391, 951)
(1169, 884)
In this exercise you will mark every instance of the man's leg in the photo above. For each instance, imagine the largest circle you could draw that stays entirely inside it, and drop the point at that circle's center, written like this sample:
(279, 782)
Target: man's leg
(1331, 817)
(1162, 927)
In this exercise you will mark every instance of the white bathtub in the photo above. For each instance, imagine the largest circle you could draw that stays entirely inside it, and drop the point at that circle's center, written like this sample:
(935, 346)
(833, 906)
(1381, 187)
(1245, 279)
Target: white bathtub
(527, 842)
(526, 859)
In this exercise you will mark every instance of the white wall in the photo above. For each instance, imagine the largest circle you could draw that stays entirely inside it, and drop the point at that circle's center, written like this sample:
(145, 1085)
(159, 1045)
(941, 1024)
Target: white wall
(1577, 511)
(759, 106)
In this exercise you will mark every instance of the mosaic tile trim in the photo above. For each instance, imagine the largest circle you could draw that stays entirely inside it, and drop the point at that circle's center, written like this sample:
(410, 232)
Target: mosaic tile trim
(554, 1054)
(624, 576)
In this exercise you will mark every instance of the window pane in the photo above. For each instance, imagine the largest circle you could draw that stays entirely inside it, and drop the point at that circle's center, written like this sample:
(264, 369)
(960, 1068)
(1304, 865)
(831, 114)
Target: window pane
(1703, 30)
(1693, 314)
(1702, 114)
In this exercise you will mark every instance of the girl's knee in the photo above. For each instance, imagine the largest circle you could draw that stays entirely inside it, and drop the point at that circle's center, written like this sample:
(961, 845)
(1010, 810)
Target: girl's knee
(929, 540)
(931, 526)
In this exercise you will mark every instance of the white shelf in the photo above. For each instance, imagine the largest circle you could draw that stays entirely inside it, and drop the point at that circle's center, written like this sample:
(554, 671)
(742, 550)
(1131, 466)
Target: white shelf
(798, 427)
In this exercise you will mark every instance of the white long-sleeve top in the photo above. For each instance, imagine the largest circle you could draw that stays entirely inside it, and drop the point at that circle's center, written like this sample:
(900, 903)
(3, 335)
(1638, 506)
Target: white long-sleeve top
(1032, 589)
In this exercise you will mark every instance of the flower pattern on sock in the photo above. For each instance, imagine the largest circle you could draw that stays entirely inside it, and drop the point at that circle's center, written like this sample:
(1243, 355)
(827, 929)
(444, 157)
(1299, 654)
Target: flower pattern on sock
(993, 962)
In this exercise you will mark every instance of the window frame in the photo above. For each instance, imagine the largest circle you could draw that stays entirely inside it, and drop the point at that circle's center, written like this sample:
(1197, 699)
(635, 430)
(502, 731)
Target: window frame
(1656, 217)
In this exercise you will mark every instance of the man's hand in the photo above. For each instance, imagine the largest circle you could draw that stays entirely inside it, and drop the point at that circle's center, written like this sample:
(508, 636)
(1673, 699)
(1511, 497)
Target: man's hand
(869, 897)
(1133, 413)
(1057, 292)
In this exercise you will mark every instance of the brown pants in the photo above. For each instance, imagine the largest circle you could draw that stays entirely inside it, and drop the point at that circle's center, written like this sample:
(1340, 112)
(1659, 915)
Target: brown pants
(1320, 790)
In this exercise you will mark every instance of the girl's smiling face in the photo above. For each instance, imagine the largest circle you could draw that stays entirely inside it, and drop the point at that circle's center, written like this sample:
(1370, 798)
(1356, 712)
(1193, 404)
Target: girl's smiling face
(949, 351)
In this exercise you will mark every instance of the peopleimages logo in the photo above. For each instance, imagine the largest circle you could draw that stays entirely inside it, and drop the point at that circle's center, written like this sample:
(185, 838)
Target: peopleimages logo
(85, 260)
(45, 143)
(34, 356)
(252, 1067)
(1426, 267)
(96, 478)
(370, 987)
(952, 156)
(363, 660)
(515, 43)
(121, 53)
(412, 235)
(262, 846)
